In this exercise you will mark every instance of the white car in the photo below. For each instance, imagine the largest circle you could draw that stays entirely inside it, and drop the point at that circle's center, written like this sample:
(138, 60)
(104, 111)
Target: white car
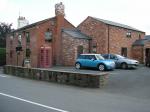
(122, 62)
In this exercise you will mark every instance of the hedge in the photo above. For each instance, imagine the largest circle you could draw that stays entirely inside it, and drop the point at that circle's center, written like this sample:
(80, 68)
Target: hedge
(2, 56)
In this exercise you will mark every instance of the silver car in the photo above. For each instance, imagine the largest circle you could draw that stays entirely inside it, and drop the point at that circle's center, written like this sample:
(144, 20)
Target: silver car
(122, 62)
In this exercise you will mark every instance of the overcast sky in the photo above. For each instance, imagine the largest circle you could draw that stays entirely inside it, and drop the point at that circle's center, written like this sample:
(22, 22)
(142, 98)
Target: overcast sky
(134, 13)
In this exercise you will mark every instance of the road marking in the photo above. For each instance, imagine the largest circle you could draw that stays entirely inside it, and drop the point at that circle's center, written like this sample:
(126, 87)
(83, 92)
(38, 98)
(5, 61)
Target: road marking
(3, 76)
(34, 103)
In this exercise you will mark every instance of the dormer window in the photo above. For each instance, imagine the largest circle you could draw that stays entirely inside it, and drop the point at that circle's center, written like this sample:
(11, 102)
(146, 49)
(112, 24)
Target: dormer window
(128, 34)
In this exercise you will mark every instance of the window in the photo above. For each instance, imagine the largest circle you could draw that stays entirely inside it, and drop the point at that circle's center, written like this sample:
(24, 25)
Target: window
(94, 46)
(90, 57)
(11, 53)
(124, 51)
(28, 52)
(128, 34)
(112, 56)
(48, 35)
(81, 57)
(11, 42)
(27, 37)
(106, 56)
(19, 40)
(11, 37)
(79, 50)
(139, 36)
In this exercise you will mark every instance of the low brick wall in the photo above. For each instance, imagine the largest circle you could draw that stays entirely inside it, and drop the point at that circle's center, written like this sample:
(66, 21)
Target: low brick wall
(59, 76)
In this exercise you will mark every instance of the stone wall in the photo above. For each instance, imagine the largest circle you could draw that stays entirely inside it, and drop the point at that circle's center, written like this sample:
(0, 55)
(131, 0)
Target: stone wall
(59, 76)
(69, 48)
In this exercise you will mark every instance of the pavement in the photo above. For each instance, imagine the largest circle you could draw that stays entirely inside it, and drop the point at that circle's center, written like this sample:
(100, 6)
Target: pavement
(126, 91)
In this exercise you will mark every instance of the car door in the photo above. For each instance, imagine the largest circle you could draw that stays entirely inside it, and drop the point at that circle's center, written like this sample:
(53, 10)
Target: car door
(90, 61)
(82, 59)
(115, 59)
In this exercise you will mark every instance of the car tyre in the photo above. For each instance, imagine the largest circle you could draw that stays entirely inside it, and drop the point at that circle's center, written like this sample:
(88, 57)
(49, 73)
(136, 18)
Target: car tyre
(101, 67)
(78, 66)
(124, 66)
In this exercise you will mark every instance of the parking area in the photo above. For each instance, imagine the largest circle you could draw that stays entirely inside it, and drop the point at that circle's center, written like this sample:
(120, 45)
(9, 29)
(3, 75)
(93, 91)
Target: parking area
(134, 82)
(130, 82)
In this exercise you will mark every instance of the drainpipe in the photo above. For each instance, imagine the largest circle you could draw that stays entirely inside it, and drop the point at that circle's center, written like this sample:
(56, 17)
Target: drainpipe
(108, 49)
(90, 44)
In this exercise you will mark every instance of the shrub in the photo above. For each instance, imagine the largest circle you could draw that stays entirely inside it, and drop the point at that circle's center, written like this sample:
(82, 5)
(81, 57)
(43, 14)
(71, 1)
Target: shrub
(2, 56)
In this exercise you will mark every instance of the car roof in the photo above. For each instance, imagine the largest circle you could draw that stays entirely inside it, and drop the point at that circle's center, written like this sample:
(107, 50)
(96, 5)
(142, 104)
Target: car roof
(90, 54)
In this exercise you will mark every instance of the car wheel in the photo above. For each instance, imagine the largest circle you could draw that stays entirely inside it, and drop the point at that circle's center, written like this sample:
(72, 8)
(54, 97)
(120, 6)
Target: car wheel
(101, 67)
(124, 66)
(78, 65)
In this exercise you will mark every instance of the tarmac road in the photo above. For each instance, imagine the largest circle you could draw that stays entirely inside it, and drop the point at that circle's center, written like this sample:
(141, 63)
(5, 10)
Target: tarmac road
(126, 91)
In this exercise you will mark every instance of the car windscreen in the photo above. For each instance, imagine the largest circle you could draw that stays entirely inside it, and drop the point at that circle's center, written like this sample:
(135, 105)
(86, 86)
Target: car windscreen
(120, 57)
(99, 57)
(105, 56)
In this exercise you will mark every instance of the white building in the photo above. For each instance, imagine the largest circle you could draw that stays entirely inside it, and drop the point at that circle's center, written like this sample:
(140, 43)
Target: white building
(22, 21)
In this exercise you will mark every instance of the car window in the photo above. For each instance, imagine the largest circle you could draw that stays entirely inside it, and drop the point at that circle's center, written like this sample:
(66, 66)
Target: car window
(112, 56)
(81, 57)
(120, 57)
(93, 57)
(90, 57)
(106, 56)
(99, 57)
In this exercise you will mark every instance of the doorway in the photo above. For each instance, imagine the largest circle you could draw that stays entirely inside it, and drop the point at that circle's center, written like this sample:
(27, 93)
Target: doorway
(79, 50)
(147, 56)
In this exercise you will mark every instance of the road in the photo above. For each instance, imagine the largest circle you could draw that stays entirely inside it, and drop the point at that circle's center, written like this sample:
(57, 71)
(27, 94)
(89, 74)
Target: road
(127, 91)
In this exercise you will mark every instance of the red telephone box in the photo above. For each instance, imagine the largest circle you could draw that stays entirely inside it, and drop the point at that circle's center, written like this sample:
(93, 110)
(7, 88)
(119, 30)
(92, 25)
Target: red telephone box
(45, 57)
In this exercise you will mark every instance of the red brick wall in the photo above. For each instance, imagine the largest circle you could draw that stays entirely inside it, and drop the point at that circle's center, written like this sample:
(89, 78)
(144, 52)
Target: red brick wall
(118, 39)
(12, 47)
(41, 29)
(37, 39)
(69, 48)
(61, 23)
(138, 53)
(96, 30)
(147, 45)
(116, 36)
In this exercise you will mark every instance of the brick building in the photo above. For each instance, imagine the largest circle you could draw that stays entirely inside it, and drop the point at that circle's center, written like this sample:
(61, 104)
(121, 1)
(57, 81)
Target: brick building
(141, 49)
(53, 41)
(112, 37)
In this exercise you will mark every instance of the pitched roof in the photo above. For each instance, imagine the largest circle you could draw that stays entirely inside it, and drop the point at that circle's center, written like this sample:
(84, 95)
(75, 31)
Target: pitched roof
(140, 42)
(116, 24)
(34, 24)
(76, 33)
(147, 37)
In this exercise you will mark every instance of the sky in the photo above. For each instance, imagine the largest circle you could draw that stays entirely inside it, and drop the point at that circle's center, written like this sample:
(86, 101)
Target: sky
(134, 13)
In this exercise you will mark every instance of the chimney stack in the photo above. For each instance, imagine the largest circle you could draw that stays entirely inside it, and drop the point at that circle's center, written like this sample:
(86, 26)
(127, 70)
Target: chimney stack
(59, 12)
